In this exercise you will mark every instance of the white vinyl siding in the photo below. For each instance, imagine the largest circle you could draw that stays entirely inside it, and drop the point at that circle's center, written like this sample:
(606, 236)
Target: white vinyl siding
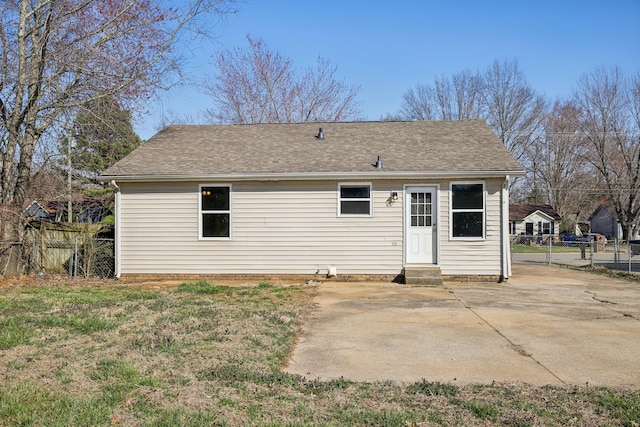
(279, 227)
(467, 256)
(291, 228)
(540, 223)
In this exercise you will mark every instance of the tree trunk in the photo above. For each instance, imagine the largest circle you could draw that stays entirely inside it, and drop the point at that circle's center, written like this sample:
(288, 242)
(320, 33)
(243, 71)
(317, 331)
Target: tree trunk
(10, 243)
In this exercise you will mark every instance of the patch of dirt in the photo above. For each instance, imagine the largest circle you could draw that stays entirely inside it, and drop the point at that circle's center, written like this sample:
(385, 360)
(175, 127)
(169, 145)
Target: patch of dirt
(54, 279)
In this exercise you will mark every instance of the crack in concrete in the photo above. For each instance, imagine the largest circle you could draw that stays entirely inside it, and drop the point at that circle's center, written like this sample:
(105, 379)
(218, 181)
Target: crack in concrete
(516, 347)
(595, 298)
(603, 301)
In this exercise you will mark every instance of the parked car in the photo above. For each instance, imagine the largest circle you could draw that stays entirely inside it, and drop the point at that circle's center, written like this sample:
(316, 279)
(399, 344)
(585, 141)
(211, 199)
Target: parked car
(567, 237)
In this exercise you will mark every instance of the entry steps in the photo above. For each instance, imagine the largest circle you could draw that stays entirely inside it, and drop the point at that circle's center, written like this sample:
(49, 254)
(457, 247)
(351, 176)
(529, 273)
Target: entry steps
(424, 276)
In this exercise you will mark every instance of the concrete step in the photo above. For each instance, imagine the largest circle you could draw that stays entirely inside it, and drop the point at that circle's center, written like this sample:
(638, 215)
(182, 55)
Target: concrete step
(423, 276)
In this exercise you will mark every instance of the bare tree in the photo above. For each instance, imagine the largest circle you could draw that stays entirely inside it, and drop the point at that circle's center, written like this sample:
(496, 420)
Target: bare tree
(444, 98)
(560, 172)
(448, 99)
(48, 183)
(512, 108)
(262, 86)
(58, 55)
(611, 129)
(389, 117)
(418, 103)
(502, 96)
(468, 88)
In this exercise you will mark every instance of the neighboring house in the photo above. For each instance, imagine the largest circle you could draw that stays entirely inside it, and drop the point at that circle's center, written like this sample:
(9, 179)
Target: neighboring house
(38, 212)
(86, 212)
(352, 199)
(603, 221)
(533, 220)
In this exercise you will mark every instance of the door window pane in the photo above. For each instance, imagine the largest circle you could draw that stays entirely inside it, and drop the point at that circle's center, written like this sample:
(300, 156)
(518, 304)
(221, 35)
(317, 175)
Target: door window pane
(421, 209)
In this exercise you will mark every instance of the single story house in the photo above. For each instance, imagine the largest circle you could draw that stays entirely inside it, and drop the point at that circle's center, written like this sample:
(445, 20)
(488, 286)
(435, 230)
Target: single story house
(533, 220)
(316, 199)
(603, 221)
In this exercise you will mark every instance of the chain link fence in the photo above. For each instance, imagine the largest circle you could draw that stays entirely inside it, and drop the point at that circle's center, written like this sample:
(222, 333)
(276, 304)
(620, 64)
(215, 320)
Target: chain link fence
(11, 259)
(77, 256)
(592, 251)
(81, 256)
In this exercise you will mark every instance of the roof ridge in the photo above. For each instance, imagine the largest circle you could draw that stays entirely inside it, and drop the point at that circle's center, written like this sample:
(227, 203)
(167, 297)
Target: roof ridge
(287, 149)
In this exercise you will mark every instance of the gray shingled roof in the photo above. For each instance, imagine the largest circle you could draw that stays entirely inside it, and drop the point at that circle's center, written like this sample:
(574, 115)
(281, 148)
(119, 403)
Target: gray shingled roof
(292, 149)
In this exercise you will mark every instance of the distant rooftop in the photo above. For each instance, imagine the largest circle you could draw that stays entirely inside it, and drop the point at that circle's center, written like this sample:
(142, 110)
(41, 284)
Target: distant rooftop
(517, 212)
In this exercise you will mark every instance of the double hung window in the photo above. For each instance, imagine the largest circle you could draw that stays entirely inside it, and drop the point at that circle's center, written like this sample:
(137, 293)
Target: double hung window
(215, 211)
(546, 227)
(467, 210)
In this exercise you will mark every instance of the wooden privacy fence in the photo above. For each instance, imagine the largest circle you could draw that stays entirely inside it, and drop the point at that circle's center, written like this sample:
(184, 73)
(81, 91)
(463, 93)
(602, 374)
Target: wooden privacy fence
(77, 257)
(82, 252)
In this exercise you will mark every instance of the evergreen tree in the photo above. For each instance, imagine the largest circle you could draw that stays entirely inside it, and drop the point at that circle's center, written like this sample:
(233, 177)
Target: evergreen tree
(102, 135)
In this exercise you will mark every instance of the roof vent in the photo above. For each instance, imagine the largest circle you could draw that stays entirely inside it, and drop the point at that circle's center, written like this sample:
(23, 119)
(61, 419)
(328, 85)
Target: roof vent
(378, 163)
(320, 134)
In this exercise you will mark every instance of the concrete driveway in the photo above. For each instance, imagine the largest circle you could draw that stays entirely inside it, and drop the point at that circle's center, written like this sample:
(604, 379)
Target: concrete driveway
(546, 325)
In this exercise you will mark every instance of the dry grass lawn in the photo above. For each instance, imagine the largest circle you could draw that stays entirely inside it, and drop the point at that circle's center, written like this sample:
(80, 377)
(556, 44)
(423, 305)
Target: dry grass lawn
(103, 353)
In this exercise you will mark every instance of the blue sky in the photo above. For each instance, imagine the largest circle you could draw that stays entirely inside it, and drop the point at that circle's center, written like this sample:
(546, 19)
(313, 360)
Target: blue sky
(387, 47)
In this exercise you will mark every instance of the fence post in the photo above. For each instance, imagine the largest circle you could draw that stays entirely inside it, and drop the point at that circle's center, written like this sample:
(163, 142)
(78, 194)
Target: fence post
(592, 242)
(35, 265)
(549, 250)
(75, 258)
(629, 253)
(71, 255)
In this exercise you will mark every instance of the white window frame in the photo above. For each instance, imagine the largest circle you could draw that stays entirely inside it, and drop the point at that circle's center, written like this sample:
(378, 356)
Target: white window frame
(201, 212)
(483, 210)
(340, 199)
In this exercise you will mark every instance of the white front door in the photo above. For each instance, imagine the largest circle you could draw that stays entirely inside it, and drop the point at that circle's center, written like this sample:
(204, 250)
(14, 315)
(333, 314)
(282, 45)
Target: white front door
(420, 222)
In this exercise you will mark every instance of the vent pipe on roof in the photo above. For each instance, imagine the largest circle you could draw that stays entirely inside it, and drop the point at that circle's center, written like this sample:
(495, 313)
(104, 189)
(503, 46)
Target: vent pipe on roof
(320, 134)
(378, 164)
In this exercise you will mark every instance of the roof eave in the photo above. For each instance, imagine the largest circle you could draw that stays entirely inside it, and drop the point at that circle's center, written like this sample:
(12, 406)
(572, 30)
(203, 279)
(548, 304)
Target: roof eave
(313, 176)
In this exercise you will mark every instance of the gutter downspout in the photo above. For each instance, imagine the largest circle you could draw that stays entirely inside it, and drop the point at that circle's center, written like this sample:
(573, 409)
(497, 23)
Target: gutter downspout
(506, 248)
(117, 248)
